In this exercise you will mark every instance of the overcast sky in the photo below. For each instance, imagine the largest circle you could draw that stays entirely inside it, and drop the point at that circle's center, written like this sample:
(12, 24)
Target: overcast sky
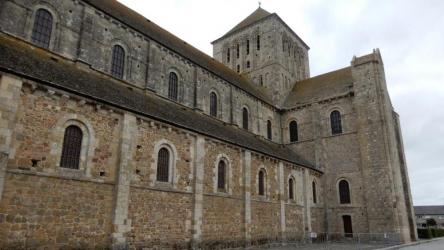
(409, 33)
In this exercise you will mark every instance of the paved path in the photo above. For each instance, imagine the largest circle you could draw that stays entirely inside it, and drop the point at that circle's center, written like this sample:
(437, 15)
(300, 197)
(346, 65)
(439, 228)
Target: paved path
(433, 245)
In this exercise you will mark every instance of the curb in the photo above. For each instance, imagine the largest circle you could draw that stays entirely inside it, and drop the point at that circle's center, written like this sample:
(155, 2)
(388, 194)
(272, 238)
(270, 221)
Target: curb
(418, 242)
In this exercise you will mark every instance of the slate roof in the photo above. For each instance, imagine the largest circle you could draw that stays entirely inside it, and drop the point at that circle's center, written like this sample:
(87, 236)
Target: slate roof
(429, 210)
(320, 87)
(144, 26)
(20, 58)
(254, 17)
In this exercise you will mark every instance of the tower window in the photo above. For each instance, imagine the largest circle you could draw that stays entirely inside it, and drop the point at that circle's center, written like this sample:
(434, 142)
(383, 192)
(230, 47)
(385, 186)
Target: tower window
(41, 32)
(248, 47)
(237, 51)
(72, 146)
(163, 164)
(245, 118)
(118, 61)
(228, 55)
(313, 189)
(293, 131)
(335, 122)
(258, 42)
(269, 131)
(213, 104)
(172, 86)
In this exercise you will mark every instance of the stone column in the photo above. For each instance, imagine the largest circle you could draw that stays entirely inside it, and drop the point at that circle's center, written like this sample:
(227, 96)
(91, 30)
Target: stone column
(122, 224)
(282, 201)
(247, 196)
(199, 157)
(9, 101)
(307, 203)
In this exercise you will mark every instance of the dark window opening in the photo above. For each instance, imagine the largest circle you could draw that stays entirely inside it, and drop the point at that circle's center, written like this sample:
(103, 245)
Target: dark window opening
(293, 131)
(344, 192)
(213, 104)
(228, 55)
(163, 163)
(248, 47)
(248, 64)
(221, 176)
(237, 51)
(348, 228)
(245, 118)
(335, 122)
(41, 32)
(291, 189)
(72, 146)
(261, 80)
(238, 68)
(313, 188)
(269, 130)
(172, 86)
(261, 182)
(258, 42)
(118, 61)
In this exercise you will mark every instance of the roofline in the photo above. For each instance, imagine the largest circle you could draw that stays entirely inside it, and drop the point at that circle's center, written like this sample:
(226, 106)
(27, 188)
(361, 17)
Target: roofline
(269, 102)
(260, 20)
(23, 75)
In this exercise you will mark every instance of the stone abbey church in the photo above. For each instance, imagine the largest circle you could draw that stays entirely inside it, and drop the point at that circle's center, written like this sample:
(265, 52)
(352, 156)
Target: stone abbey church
(114, 133)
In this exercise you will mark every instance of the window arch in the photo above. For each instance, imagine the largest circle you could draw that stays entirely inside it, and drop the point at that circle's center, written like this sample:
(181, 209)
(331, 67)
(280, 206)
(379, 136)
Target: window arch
(335, 122)
(291, 188)
(221, 176)
(293, 131)
(42, 29)
(163, 165)
(118, 61)
(313, 188)
(269, 130)
(245, 117)
(213, 104)
(72, 147)
(344, 192)
(261, 182)
(173, 86)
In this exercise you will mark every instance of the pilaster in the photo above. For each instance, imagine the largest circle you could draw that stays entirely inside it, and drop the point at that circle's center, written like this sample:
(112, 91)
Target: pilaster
(282, 200)
(247, 196)
(307, 203)
(122, 224)
(9, 101)
(199, 157)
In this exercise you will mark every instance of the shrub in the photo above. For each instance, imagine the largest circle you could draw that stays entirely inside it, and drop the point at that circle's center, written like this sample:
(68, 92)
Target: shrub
(425, 233)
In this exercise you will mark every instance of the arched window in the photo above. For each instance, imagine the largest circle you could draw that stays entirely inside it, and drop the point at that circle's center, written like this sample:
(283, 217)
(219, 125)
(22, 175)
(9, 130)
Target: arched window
(213, 104)
(245, 118)
(335, 122)
(41, 32)
(344, 192)
(237, 51)
(163, 165)
(291, 189)
(221, 173)
(293, 131)
(72, 146)
(261, 182)
(313, 188)
(248, 64)
(172, 86)
(118, 61)
(269, 131)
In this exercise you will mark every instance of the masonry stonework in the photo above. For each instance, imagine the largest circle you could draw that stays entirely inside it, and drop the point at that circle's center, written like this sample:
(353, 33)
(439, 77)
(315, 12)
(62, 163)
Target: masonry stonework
(147, 171)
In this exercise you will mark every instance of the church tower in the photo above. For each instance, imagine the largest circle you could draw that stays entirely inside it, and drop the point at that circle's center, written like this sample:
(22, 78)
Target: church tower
(263, 48)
